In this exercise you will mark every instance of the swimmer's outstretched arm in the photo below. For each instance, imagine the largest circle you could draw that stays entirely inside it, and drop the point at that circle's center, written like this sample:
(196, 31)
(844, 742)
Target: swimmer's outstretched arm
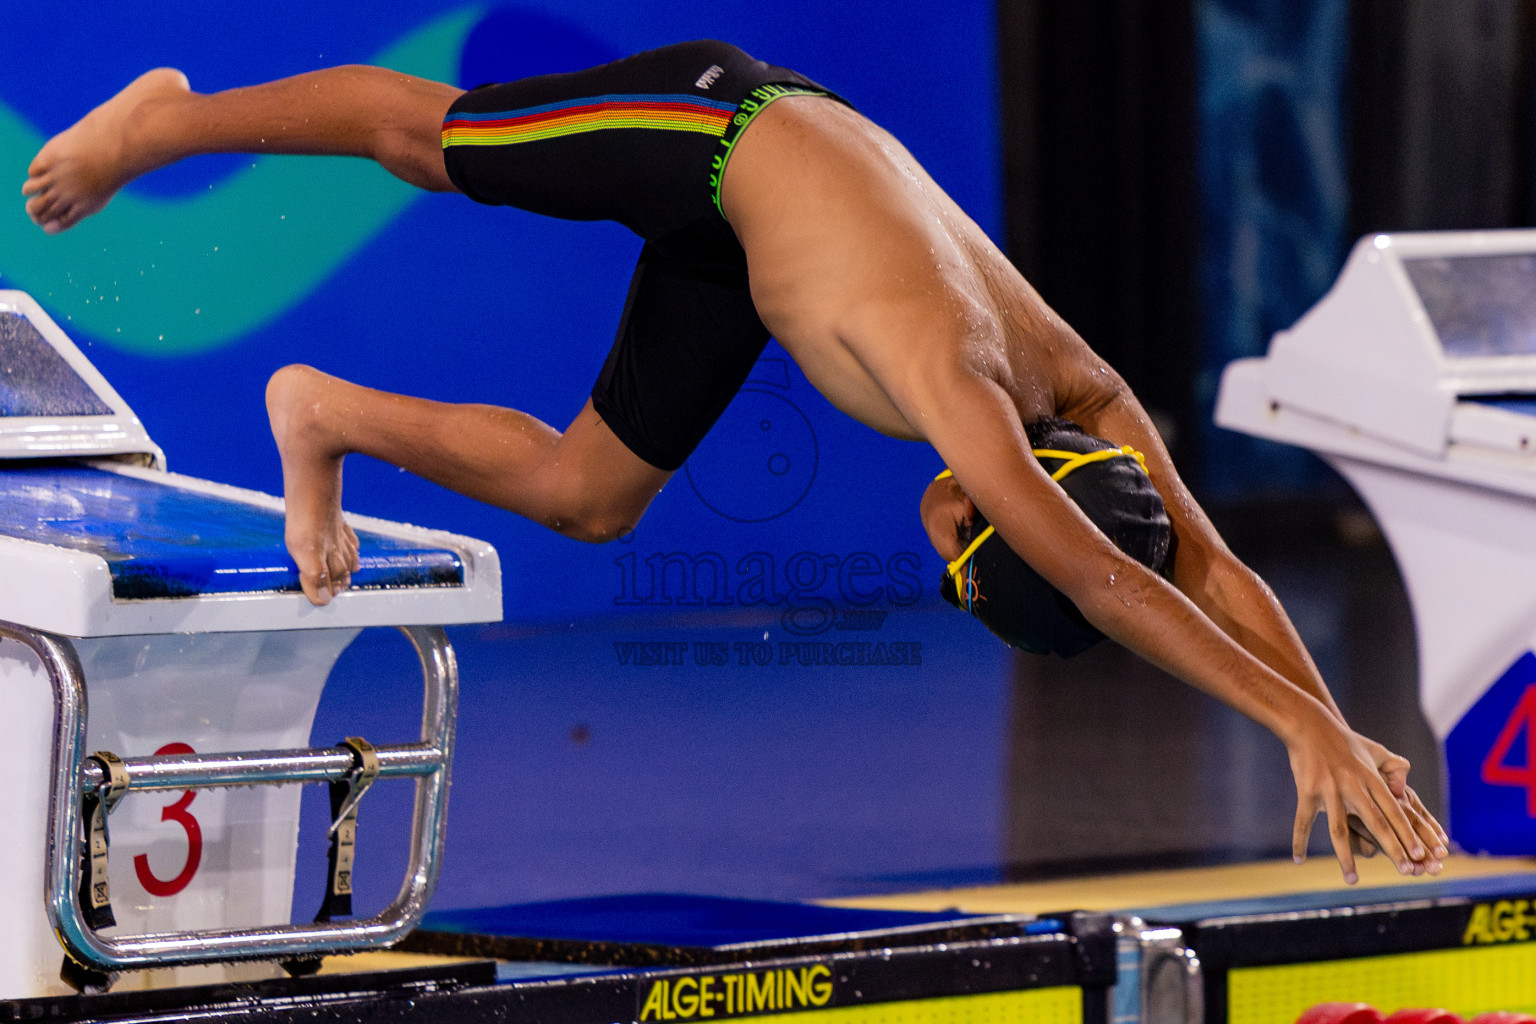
(1238, 601)
(973, 424)
(157, 119)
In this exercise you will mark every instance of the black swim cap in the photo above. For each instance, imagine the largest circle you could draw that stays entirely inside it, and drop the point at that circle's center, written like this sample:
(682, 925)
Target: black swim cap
(1015, 602)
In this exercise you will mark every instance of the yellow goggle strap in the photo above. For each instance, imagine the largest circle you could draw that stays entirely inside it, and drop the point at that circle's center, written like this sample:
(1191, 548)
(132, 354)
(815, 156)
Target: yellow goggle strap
(965, 556)
(1074, 460)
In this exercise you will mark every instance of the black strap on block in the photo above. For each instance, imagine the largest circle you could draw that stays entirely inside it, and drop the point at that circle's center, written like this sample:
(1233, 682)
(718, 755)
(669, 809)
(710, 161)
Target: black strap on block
(85, 980)
(95, 805)
(345, 795)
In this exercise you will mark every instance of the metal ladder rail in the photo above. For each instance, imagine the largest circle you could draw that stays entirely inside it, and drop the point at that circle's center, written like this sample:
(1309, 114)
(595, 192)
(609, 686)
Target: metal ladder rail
(429, 762)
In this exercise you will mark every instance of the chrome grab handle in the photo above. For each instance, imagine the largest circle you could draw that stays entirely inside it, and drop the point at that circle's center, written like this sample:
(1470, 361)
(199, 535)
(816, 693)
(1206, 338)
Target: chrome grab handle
(255, 767)
(429, 762)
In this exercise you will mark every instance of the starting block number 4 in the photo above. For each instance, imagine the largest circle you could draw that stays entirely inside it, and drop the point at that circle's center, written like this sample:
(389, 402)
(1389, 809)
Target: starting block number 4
(178, 813)
(1497, 769)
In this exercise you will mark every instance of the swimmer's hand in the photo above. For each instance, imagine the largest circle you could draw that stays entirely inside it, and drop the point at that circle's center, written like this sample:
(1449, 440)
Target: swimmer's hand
(1363, 788)
(1394, 771)
(947, 514)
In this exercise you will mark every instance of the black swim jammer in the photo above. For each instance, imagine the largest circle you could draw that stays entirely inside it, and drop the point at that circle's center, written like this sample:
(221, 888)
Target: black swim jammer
(642, 141)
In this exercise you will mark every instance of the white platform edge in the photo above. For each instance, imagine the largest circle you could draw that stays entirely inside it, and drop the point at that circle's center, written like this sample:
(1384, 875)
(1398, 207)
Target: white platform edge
(69, 592)
(1245, 403)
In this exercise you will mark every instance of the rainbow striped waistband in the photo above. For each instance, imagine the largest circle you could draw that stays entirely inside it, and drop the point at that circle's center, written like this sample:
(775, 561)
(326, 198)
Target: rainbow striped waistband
(664, 112)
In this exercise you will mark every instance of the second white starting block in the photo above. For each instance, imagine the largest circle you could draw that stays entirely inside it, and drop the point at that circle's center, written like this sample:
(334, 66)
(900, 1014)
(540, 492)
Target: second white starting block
(1415, 378)
(160, 672)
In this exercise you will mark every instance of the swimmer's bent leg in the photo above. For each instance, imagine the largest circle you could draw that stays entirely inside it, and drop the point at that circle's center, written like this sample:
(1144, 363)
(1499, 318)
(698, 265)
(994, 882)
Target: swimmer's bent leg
(584, 483)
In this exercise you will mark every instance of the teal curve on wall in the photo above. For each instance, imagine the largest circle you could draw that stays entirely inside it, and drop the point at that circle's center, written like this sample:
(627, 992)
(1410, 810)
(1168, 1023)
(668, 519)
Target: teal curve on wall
(175, 276)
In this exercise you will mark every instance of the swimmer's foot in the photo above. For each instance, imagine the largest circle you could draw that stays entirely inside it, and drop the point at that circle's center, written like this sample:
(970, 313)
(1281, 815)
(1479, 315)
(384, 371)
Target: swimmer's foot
(81, 168)
(319, 539)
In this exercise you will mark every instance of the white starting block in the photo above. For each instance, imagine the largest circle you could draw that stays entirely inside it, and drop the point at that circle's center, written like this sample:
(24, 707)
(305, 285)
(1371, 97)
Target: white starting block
(1415, 378)
(171, 604)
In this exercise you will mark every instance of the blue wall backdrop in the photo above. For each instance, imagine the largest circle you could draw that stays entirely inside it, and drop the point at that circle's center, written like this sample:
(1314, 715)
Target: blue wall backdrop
(650, 715)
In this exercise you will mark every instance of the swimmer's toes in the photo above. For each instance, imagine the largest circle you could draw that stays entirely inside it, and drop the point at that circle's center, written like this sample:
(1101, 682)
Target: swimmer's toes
(43, 218)
(48, 213)
(57, 219)
(50, 205)
(42, 164)
(341, 564)
(316, 587)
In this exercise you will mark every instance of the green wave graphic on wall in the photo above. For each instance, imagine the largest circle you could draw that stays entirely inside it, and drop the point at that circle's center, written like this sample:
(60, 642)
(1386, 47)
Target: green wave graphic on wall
(170, 277)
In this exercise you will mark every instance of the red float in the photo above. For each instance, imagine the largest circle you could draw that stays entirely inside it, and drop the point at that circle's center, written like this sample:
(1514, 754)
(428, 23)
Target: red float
(1341, 1013)
(1435, 1015)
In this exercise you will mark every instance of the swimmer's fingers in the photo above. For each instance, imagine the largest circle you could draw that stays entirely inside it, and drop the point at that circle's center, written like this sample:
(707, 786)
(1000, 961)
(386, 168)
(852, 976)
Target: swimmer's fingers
(1441, 842)
(1364, 843)
(1393, 770)
(1429, 831)
(1301, 835)
(1387, 819)
(1339, 770)
(1338, 833)
(1360, 839)
(1395, 774)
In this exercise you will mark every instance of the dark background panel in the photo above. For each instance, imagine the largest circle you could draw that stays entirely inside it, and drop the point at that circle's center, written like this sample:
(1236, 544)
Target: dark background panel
(1099, 119)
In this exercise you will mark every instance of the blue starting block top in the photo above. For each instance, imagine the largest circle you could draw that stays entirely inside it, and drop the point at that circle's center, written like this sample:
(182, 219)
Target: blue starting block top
(665, 919)
(161, 541)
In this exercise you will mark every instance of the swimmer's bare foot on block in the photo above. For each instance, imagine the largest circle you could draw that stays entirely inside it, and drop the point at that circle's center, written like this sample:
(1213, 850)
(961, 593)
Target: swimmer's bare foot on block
(320, 541)
(81, 168)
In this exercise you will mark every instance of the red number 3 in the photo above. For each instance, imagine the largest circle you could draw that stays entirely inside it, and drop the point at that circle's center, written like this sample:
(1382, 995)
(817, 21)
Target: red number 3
(178, 813)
